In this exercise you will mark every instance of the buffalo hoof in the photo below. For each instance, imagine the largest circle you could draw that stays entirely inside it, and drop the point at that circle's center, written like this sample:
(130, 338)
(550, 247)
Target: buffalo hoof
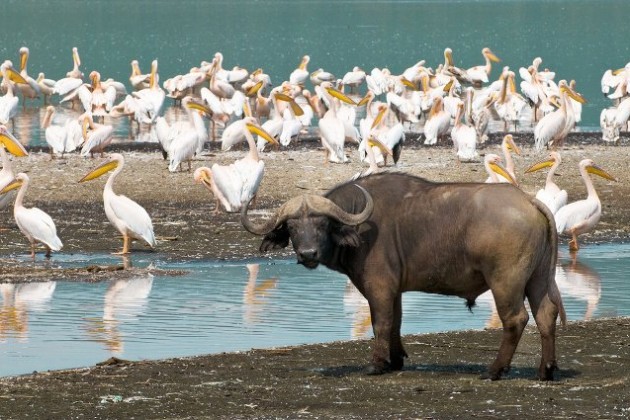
(545, 373)
(378, 370)
(397, 364)
(494, 375)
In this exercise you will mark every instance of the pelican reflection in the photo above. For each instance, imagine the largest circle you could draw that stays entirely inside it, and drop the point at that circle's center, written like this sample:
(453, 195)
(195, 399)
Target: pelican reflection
(255, 293)
(18, 300)
(357, 305)
(581, 282)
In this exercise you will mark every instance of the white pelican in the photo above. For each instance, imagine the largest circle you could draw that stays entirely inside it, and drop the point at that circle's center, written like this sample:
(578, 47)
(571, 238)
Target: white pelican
(300, 74)
(30, 89)
(153, 96)
(34, 223)
(76, 72)
(551, 195)
(46, 86)
(9, 102)
(95, 136)
(610, 130)
(137, 79)
(368, 147)
(437, 124)
(389, 132)
(6, 177)
(131, 219)
(491, 163)
(12, 145)
(479, 74)
(60, 138)
(583, 215)
(331, 128)
(552, 127)
(236, 184)
(507, 147)
(189, 137)
(291, 125)
(353, 79)
(320, 75)
(464, 137)
(96, 99)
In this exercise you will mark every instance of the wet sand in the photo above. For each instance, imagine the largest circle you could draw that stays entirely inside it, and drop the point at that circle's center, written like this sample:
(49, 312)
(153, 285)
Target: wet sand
(441, 378)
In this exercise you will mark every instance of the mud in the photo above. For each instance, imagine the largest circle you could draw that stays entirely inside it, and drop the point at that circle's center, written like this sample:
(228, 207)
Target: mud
(441, 376)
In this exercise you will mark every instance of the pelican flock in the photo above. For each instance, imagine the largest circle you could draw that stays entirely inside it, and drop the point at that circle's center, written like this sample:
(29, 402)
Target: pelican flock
(363, 117)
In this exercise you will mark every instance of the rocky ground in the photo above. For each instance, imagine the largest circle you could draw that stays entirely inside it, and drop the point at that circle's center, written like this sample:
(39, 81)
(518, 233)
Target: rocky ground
(441, 379)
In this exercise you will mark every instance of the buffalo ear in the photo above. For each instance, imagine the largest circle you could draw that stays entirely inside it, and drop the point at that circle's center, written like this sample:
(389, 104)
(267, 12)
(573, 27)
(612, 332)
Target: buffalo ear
(346, 235)
(276, 239)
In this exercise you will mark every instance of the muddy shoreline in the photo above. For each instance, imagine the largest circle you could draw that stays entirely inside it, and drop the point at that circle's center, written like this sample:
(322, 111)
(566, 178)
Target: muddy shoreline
(441, 377)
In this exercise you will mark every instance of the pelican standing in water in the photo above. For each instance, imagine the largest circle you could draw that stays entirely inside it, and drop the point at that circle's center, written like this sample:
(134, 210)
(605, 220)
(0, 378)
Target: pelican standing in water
(130, 218)
(34, 223)
(583, 215)
(551, 195)
(236, 184)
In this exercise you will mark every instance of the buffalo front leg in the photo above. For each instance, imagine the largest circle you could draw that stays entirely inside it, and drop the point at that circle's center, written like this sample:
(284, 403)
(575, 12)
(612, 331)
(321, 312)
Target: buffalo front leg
(511, 310)
(382, 310)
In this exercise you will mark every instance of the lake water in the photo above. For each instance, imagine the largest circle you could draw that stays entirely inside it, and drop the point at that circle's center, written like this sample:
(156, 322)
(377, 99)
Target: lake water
(572, 36)
(218, 307)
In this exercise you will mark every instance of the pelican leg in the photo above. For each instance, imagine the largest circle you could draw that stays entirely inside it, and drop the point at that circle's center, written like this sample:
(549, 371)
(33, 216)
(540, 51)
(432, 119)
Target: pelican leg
(573, 243)
(125, 249)
(48, 251)
(33, 250)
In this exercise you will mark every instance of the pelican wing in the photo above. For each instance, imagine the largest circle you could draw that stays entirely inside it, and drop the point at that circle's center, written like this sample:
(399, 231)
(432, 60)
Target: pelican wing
(229, 183)
(547, 128)
(56, 138)
(577, 215)
(251, 173)
(131, 217)
(183, 148)
(36, 224)
(97, 139)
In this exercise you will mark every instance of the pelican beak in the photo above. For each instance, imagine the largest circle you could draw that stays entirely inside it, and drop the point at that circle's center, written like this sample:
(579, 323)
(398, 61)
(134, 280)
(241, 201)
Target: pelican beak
(618, 71)
(492, 57)
(448, 86)
(206, 180)
(364, 100)
(85, 124)
(100, 170)
(255, 129)
(199, 107)
(409, 84)
(575, 95)
(513, 147)
(379, 116)
(15, 77)
(373, 141)
(448, 55)
(75, 57)
(254, 89)
(12, 145)
(503, 172)
(340, 95)
(297, 110)
(23, 60)
(540, 165)
(594, 169)
(16, 183)
(246, 109)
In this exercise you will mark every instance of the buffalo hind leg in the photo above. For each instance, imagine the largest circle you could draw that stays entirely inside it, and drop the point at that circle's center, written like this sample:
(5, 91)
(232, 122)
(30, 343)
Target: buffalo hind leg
(545, 313)
(397, 353)
(511, 310)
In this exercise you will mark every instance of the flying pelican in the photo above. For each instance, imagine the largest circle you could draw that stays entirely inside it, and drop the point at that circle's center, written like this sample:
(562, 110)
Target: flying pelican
(237, 183)
(551, 195)
(552, 127)
(583, 215)
(331, 128)
(34, 223)
(479, 74)
(131, 219)
(464, 137)
(300, 74)
(494, 169)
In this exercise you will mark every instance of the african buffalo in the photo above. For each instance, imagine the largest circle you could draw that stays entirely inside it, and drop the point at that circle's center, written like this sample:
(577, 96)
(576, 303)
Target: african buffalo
(391, 233)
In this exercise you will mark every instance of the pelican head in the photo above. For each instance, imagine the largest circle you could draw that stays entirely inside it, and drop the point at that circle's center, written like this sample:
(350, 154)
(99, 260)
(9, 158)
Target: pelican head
(554, 158)
(12, 144)
(491, 56)
(115, 160)
(592, 168)
(508, 141)
(494, 163)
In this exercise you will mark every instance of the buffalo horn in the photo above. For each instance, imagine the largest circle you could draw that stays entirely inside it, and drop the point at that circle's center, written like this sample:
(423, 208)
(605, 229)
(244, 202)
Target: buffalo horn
(309, 204)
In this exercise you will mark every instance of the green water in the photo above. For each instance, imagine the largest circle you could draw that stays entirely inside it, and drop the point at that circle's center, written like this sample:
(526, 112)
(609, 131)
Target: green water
(578, 39)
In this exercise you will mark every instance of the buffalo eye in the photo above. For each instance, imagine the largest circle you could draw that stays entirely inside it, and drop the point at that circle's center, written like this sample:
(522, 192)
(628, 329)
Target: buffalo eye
(345, 235)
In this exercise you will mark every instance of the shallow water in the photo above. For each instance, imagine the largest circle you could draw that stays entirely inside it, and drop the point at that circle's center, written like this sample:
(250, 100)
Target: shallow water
(220, 307)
